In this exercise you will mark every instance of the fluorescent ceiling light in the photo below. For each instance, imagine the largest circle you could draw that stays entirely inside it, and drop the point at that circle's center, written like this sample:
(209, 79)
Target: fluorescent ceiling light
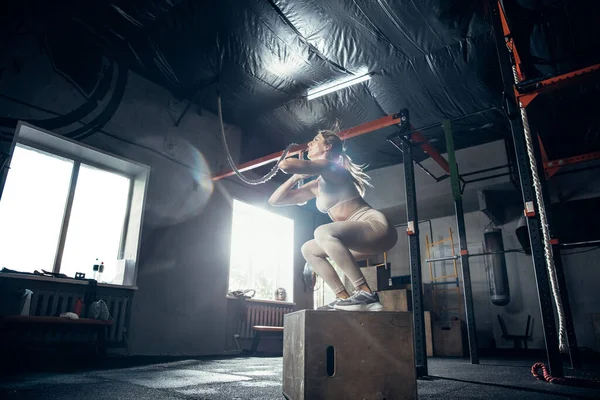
(337, 85)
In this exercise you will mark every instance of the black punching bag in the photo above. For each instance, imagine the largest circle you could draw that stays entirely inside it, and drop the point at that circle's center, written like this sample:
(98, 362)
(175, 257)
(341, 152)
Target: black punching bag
(522, 233)
(309, 277)
(497, 273)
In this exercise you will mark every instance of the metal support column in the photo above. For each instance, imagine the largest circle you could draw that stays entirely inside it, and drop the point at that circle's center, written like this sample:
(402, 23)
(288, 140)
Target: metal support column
(564, 295)
(462, 235)
(502, 34)
(414, 249)
(537, 252)
(558, 266)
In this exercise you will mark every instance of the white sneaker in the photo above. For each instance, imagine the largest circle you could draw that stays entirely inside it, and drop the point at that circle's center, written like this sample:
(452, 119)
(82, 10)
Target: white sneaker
(360, 301)
(330, 306)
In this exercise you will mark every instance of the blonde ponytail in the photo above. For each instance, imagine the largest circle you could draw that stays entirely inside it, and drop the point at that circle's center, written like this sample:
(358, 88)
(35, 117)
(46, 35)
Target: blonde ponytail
(359, 177)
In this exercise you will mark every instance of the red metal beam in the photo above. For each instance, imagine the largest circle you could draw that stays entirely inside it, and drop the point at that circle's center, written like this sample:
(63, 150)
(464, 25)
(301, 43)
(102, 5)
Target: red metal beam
(370, 126)
(345, 134)
(510, 43)
(553, 83)
(430, 150)
(259, 162)
(552, 167)
(383, 122)
(527, 93)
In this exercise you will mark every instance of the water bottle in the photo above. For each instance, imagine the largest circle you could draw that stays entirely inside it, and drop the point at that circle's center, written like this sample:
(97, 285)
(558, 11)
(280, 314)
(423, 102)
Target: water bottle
(95, 269)
(100, 270)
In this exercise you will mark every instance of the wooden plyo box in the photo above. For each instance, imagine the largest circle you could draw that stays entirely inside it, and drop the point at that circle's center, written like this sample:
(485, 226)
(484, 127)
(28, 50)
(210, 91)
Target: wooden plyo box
(395, 300)
(345, 355)
(400, 300)
(377, 277)
(448, 338)
(428, 334)
(427, 295)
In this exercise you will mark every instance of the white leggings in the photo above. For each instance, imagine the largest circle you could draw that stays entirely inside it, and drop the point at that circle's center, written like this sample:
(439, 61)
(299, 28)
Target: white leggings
(366, 232)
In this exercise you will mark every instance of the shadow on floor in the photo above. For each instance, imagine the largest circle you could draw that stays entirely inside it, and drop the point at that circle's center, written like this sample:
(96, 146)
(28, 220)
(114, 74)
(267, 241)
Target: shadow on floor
(260, 378)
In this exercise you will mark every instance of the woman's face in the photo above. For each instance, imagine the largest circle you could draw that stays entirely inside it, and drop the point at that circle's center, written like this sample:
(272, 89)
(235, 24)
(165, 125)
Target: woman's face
(318, 148)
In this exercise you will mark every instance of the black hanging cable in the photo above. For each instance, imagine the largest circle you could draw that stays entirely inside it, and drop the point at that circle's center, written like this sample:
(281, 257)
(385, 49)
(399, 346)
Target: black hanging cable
(59, 72)
(101, 120)
(73, 116)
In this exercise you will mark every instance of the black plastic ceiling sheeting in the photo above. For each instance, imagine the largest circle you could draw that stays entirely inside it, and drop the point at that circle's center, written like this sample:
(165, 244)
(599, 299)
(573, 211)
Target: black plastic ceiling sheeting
(567, 120)
(435, 68)
(437, 58)
(554, 37)
(438, 63)
(434, 57)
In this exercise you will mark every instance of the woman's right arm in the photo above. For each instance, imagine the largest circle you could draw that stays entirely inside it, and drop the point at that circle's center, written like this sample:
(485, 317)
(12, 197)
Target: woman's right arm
(285, 196)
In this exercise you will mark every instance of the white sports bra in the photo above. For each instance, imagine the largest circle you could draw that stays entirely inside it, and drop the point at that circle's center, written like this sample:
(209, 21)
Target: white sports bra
(332, 194)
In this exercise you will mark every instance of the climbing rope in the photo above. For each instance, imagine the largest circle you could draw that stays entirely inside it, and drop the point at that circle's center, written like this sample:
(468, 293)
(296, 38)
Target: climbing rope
(567, 380)
(548, 254)
(249, 181)
(551, 268)
(562, 342)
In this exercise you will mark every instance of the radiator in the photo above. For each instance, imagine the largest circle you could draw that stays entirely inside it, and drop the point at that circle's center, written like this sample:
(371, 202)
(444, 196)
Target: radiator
(257, 313)
(52, 303)
(46, 303)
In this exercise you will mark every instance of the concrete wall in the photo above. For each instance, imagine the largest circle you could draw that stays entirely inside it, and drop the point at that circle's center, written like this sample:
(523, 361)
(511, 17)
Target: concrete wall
(583, 275)
(435, 198)
(523, 301)
(579, 267)
(436, 205)
(180, 307)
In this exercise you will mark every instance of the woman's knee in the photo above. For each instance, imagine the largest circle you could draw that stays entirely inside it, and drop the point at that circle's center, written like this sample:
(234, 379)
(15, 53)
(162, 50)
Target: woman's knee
(310, 249)
(323, 233)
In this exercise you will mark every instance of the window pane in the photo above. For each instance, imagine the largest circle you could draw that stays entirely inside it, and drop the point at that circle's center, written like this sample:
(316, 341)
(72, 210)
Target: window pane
(96, 224)
(261, 252)
(32, 209)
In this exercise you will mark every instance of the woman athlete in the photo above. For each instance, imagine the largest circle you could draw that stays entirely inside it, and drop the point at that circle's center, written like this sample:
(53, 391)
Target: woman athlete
(357, 231)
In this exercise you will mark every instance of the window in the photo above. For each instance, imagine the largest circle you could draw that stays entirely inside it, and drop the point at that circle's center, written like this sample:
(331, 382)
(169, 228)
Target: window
(262, 252)
(97, 220)
(64, 205)
(32, 208)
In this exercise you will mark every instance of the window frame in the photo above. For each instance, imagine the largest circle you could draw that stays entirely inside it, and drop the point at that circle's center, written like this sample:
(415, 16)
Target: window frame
(79, 153)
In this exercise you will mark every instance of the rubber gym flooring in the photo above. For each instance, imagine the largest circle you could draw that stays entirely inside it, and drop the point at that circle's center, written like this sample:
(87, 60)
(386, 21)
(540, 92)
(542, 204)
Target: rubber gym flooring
(259, 378)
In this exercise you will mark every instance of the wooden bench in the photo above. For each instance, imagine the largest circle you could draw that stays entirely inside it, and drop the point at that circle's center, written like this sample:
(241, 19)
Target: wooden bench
(260, 331)
(16, 322)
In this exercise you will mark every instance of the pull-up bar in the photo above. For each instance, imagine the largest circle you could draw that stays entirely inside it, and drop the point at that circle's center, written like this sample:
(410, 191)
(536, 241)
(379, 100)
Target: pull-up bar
(345, 134)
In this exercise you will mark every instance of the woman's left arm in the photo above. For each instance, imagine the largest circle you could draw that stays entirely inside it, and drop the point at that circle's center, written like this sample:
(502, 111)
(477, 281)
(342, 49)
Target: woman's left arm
(325, 168)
